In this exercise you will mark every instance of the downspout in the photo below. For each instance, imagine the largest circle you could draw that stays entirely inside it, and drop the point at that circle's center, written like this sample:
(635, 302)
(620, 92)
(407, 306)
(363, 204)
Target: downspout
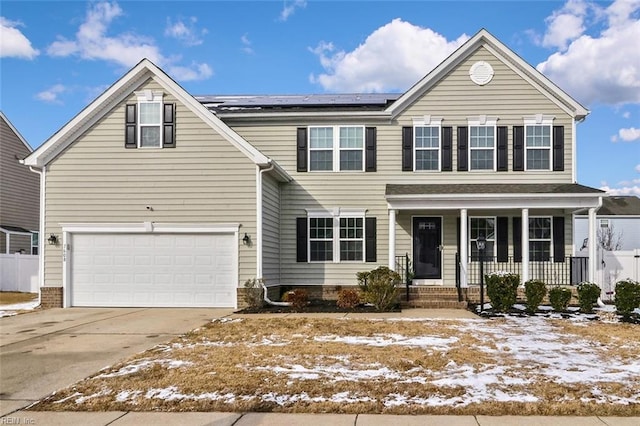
(259, 236)
(41, 233)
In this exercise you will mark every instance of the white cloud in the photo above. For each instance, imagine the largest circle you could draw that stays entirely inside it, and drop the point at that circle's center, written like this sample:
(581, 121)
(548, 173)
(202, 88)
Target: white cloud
(565, 25)
(92, 42)
(626, 114)
(625, 187)
(604, 68)
(630, 134)
(14, 44)
(246, 43)
(51, 94)
(290, 7)
(638, 168)
(186, 32)
(393, 57)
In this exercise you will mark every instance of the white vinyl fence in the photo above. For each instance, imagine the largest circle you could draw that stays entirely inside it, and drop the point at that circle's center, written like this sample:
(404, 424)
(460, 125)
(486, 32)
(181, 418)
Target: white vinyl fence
(19, 272)
(617, 266)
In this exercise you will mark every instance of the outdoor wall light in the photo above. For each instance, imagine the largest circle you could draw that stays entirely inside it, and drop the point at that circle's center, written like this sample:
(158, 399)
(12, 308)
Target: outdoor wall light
(246, 239)
(481, 242)
(53, 240)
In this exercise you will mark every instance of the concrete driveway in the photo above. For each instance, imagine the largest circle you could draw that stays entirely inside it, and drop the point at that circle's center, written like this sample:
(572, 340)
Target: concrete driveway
(41, 352)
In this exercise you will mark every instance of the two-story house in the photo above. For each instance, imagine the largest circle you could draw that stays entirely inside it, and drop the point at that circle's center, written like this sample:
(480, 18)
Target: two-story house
(159, 198)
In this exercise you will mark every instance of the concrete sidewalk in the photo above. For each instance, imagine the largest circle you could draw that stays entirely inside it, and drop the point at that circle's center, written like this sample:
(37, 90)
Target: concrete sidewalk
(115, 418)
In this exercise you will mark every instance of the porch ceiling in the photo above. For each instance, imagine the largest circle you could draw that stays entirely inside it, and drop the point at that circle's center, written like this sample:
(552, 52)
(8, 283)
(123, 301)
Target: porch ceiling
(492, 196)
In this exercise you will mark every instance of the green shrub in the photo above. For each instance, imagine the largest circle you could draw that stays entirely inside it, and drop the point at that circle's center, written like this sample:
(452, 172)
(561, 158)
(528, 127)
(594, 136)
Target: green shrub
(348, 299)
(502, 289)
(380, 287)
(298, 299)
(588, 294)
(535, 290)
(253, 295)
(627, 296)
(559, 297)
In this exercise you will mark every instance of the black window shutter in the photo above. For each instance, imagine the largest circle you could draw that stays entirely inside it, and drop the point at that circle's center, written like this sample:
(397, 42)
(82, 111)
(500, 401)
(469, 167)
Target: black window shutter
(518, 148)
(517, 239)
(502, 148)
(502, 239)
(407, 149)
(558, 239)
(558, 148)
(302, 149)
(130, 137)
(463, 136)
(370, 239)
(447, 142)
(169, 126)
(301, 239)
(370, 144)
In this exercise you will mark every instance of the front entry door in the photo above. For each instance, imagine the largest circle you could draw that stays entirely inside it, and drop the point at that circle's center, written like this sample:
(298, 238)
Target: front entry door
(427, 247)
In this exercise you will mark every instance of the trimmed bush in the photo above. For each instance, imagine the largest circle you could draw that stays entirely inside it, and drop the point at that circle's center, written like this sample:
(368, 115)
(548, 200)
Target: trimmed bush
(502, 289)
(348, 299)
(627, 296)
(253, 295)
(535, 290)
(298, 298)
(559, 297)
(588, 294)
(380, 287)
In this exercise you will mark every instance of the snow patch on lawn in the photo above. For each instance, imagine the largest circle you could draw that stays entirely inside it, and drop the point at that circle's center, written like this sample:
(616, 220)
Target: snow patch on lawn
(145, 364)
(381, 340)
(11, 310)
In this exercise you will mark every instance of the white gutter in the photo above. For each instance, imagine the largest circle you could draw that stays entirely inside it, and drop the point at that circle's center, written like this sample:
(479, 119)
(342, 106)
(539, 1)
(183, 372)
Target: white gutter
(259, 233)
(41, 233)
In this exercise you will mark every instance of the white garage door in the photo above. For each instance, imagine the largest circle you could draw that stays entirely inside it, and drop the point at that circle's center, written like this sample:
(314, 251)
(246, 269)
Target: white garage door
(153, 270)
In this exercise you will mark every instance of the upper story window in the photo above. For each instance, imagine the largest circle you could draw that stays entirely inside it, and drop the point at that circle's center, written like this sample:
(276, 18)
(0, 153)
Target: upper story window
(427, 144)
(537, 142)
(150, 123)
(336, 148)
(482, 144)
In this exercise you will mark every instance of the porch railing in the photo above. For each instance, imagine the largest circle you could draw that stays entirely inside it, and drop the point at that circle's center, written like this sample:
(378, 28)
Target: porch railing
(403, 267)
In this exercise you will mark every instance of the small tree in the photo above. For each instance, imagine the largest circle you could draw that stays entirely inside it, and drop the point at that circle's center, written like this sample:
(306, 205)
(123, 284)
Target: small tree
(502, 289)
(609, 239)
(588, 294)
(380, 287)
(559, 297)
(627, 297)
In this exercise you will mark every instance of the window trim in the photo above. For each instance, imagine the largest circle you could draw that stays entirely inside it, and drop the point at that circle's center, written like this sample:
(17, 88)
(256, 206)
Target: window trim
(473, 241)
(336, 149)
(427, 121)
(550, 239)
(337, 214)
(37, 246)
(538, 120)
(150, 97)
(482, 121)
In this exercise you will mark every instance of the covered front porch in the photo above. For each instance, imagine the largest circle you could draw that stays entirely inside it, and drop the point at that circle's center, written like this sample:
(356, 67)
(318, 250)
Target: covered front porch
(527, 228)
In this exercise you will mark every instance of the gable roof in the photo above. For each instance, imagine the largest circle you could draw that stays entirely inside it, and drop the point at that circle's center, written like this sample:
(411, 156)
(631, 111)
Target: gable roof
(117, 93)
(620, 205)
(509, 58)
(15, 131)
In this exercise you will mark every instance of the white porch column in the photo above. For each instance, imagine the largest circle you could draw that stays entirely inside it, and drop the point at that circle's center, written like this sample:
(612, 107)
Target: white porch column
(392, 239)
(592, 246)
(525, 246)
(464, 246)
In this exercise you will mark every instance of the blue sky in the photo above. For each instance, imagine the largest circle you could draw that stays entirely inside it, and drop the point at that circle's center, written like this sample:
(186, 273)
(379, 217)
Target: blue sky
(57, 56)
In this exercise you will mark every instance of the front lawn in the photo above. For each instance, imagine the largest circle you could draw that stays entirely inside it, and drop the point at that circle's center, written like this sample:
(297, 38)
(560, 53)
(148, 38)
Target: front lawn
(503, 366)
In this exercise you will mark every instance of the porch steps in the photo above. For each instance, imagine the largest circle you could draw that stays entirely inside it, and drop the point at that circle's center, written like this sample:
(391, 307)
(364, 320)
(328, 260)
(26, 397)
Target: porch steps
(431, 298)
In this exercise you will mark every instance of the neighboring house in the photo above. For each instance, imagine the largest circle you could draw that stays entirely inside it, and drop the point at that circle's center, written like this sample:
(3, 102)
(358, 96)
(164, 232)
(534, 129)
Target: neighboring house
(618, 224)
(19, 194)
(160, 198)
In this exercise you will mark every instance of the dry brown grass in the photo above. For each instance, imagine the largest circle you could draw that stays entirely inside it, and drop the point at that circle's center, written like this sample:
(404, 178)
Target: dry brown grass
(11, 297)
(400, 367)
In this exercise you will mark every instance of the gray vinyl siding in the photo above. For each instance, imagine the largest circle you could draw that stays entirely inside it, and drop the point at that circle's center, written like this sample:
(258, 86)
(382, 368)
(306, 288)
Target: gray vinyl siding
(19, 190)
(454, 99)
(204, 180)
(270, 230)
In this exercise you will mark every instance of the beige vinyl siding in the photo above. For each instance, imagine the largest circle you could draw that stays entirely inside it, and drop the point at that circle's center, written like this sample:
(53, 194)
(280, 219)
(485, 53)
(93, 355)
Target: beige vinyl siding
(204, 180)
(19, 190)
(270, 230)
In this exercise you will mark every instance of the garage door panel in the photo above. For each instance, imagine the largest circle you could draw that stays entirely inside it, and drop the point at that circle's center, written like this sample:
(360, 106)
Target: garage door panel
(162, 270)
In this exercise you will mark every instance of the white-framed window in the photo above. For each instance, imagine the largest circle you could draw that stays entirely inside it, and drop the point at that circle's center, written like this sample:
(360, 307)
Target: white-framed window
(537, 142)
(35, 235)
(486, 227)
(482, 143)
(149, 119)
(336, 236)
(426, 144)
(540, 238)
(604, 223)
(336, 148)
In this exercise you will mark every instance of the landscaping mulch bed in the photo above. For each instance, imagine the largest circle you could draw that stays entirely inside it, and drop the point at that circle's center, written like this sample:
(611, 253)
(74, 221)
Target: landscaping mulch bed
(314, 306)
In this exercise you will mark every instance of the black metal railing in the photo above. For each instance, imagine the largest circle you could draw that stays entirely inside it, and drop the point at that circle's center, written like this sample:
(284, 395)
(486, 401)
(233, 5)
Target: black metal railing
(403, 267)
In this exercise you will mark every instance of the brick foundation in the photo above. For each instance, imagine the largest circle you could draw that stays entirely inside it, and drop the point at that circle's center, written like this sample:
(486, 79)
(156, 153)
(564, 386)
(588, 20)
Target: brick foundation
(50, 297)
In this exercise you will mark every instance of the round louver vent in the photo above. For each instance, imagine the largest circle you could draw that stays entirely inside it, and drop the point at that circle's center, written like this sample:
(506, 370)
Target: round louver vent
(481, 73)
